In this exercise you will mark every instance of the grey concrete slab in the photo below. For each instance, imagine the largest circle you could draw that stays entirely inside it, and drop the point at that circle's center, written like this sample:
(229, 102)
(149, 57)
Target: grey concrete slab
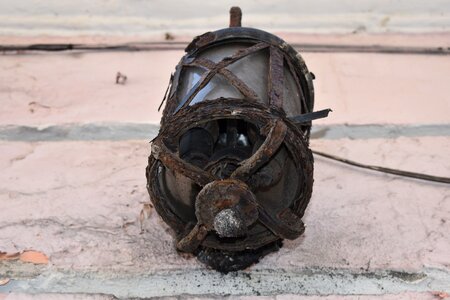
(401, 296)
(147, 131)
(122, 17)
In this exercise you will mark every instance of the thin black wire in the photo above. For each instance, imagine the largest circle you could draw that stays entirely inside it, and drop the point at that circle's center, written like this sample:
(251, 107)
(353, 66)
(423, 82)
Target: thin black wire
(385, 170)
(167, 91)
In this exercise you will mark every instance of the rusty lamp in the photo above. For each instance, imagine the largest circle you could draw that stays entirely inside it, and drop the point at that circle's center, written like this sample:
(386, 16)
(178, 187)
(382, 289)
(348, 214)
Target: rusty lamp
(230, 170)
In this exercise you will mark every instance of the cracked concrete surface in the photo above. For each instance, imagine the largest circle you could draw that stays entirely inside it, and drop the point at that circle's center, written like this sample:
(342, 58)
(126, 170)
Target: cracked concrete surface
(365, 231)
(65, 198)
(75, 191)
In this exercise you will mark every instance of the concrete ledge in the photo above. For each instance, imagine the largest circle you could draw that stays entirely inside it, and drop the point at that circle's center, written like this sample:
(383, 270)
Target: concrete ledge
(133, 131)
(259, 282)
(401, 296)
(123, 17)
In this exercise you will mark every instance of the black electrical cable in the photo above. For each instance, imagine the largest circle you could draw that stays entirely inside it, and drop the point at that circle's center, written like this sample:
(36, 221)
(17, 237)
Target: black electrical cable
(385, 170)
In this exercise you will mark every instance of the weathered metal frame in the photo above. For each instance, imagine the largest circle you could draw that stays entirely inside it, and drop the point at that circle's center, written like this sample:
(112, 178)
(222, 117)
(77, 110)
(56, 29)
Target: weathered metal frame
(179, 116)
(295, 63)
(278, 130)
(219, 67)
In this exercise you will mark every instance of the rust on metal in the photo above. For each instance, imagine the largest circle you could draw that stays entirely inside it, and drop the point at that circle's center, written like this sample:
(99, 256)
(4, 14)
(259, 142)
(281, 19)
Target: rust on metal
(230, 170)
(208, 75)
(229, 76)
(193, 239)
(174, 163)
(276, 78)
(235, 16)
(298, 85)
(273, 141)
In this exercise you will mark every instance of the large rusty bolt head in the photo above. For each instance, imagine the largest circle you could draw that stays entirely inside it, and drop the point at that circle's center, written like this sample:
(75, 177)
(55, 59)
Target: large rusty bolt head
(227, 206)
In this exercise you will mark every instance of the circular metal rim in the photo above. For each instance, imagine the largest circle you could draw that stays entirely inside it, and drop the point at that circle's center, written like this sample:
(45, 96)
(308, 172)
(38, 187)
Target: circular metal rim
(232, 108)
(231, 34)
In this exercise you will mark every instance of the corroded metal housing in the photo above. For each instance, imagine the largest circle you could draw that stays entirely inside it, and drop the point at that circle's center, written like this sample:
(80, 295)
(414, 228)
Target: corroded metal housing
(230, 170)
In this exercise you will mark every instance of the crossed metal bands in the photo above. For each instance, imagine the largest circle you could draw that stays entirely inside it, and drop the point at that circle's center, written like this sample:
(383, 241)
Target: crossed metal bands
(237, 192)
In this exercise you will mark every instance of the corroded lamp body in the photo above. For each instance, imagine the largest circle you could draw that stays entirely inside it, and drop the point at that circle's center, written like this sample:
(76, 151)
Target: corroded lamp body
(230, 170)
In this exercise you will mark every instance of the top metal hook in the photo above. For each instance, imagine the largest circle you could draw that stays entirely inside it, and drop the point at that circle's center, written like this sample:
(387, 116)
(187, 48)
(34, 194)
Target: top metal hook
(235, 16)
